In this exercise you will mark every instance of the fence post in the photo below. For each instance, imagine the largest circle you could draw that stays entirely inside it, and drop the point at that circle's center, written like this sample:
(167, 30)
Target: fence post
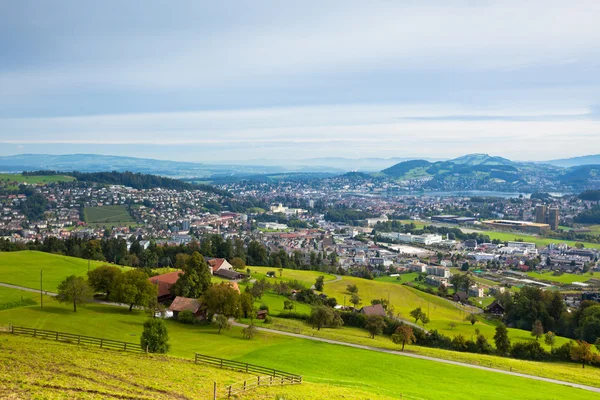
(56, 335)
(282, 381)
(215, 391)
(101, 343)
(258, 380)
(221, 363)
(34, 332)
(246, 367)
(125, 347)
(229, 394)
(79, 340)
(271, 382)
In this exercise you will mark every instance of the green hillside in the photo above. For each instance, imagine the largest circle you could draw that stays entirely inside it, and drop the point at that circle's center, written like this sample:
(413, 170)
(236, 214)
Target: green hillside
(22, 268)
(330, 371)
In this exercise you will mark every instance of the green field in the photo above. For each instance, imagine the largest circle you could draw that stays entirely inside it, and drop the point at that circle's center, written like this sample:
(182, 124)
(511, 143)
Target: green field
(22, 268)
(332, 369)
(43, 179)
(108, 215)
(14, 298)
(538, 240)
(306, 277)
(564, 278)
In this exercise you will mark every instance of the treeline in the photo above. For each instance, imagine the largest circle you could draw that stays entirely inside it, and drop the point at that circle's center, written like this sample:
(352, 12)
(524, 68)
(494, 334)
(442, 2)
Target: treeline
(140, 254)
(591, 216)
(134, 180)
(347, 215)
(590, 195)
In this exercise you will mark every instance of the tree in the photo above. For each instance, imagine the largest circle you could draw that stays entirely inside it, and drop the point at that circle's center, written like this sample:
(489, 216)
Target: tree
(103, 279)
(404, 334)
(238, 263)
(155, 337)
(355, 299)
(417, 313)
(288, 305)
(465, 267)
(74, 289)
(134, 288)
(221, 321)
(186, 317)
(538, 330)
(472, 318)
(352, 289)
(222, 299)
(424, 319)
(550, 339)
(280, 272)
(582, 351)
(375, 324)
(247, 305)
(194, 280)
(319, 283)
(323, 316)
(451, 325)
(502, 340)
(249, 332)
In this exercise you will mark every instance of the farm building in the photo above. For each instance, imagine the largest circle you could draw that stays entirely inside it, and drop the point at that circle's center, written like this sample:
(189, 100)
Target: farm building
(183, 303)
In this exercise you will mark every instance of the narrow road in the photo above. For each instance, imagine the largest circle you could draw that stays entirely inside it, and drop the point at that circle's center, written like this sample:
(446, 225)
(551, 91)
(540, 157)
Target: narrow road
(441, 360)
(51, 294)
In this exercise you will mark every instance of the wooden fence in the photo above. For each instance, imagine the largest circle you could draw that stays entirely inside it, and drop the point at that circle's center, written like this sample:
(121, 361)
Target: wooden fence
(244, 367)
(254, 383)
(78, 339)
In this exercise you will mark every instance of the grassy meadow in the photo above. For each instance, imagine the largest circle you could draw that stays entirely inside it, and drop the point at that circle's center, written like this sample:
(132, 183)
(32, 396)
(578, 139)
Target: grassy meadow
(306, 277)
(564, 278)
(33, 180)
(108, 215)
(22, 268)
(330, 371)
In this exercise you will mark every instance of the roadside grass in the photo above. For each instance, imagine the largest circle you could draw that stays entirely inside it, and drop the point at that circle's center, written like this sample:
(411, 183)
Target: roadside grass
(558, 370)
(13, 298)
(367, 374)
(22, 268)
(304, 276)
(563, 278)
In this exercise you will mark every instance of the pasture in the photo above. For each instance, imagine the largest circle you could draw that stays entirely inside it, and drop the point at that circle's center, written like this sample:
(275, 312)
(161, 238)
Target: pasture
(22, 268)
(332, 369)
(306, 277)
(540, 241)
(563, 278)
(9, 179)
(108, 215)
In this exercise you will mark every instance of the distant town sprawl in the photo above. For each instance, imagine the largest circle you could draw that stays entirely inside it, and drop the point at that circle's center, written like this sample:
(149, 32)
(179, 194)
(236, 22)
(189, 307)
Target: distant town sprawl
(310, 226)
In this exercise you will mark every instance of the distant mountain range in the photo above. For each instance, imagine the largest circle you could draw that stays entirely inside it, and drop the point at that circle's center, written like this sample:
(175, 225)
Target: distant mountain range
(472, 171)
(482, 171)
(576, 161)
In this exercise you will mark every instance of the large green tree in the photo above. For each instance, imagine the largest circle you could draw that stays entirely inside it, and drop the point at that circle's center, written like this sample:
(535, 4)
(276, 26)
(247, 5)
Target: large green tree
(103, 279)
(375, 325)
(404, 334)
(195, 279)
(75, 290)
(134, 288)
(222, 299)
(323, 316)
(502, 340)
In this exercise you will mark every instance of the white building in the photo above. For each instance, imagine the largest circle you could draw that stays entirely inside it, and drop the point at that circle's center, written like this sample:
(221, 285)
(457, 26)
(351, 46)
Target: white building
(522, 245)
(438, 271)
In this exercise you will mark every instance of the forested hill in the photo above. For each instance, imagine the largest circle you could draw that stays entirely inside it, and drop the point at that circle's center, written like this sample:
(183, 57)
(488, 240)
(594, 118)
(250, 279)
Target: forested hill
(134, 180)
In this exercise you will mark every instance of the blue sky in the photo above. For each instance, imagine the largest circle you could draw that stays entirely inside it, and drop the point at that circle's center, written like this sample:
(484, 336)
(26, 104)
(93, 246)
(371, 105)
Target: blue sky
(203, 81)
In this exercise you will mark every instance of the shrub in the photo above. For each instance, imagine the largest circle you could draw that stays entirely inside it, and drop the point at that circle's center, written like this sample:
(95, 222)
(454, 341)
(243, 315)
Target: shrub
(249, 332)
(264, 307)
(186, 317)
(532, 351)
(268, 319)
(293, 315)
(155, 338)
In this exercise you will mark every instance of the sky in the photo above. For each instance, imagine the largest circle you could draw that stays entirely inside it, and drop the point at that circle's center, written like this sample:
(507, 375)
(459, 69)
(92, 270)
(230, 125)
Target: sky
(290, 80)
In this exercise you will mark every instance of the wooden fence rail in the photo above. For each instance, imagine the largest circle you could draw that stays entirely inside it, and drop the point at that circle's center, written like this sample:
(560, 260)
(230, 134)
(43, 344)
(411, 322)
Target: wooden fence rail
(79, 339)
(244, 367)
(260, 381)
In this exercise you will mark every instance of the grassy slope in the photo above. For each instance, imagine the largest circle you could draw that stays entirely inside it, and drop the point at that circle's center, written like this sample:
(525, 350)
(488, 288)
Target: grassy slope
(44, 369)
(107, 214)
(35, 179)
(306, 277)
(338, 367)
(539, 241)
(23, 268)
(564, 278)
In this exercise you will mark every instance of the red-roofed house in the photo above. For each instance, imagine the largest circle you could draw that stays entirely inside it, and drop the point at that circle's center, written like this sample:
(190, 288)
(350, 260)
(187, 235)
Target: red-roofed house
(164, 283)
(216, 264)
(183, 303)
